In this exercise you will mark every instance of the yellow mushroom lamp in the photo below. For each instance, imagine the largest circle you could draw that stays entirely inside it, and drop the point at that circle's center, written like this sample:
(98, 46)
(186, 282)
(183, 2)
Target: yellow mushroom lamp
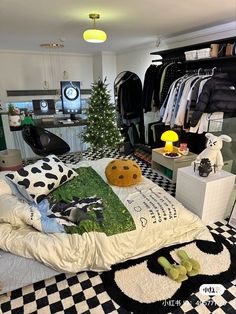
(169, 137)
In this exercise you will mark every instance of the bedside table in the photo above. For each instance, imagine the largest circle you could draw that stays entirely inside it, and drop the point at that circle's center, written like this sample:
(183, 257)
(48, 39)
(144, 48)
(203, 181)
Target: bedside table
(168, 166)
(207, 197)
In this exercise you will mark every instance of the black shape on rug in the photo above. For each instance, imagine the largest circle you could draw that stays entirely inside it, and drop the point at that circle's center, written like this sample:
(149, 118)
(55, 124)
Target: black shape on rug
(146, 299)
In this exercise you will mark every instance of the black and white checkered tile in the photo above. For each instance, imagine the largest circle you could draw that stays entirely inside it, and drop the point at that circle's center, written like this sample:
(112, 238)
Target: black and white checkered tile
(83, 293)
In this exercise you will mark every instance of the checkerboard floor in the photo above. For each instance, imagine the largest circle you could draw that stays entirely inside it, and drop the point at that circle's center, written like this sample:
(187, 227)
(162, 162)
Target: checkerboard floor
(83, 293)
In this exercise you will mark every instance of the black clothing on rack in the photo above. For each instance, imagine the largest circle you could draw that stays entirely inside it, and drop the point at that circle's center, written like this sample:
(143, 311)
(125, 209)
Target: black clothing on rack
(129, 96)
(173, 71)
(218, 94)
(149, 86)
(128, 91)
(157, 81)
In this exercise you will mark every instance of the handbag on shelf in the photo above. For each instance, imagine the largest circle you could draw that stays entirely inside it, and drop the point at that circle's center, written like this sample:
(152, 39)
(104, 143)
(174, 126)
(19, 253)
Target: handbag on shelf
(229, 49)
(214, 50)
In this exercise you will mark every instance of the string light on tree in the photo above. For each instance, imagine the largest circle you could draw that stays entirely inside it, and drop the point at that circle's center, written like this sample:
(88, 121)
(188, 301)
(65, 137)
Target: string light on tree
(102, 130)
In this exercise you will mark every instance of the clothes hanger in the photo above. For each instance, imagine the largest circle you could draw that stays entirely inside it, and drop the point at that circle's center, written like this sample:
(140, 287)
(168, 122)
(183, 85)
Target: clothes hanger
(213, 71)
(199, 70)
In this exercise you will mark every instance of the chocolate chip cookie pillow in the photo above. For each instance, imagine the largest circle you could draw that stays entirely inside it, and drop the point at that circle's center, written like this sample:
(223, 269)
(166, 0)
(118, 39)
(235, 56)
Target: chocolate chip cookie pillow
(123, 172)
(42, 177)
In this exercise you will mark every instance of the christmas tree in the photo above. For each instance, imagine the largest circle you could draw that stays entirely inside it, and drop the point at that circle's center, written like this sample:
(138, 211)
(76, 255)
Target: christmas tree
(102, 130)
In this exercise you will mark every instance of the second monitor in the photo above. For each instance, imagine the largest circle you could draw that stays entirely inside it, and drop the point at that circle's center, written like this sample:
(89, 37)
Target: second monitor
(70, 95)
(44, 106)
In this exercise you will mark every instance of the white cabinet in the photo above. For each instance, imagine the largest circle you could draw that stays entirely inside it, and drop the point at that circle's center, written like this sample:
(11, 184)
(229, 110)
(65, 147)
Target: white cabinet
(207, 197)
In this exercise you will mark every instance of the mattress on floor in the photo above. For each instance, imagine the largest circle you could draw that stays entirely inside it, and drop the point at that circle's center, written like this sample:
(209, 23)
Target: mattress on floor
(17, 271)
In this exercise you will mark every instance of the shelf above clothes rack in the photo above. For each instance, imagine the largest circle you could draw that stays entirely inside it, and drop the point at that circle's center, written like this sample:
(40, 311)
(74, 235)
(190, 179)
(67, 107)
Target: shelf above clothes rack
(224, 63)
(214, 59)
(180, 50)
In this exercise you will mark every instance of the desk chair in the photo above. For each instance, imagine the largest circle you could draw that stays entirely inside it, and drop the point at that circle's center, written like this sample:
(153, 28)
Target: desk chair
(43, 142)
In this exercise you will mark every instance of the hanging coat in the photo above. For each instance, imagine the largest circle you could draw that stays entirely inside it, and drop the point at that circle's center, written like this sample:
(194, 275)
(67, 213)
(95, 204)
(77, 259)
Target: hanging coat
(218, 94)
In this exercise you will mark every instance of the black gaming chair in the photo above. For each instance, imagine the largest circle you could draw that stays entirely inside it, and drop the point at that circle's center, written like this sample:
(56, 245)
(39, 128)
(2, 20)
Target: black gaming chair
(43, 142)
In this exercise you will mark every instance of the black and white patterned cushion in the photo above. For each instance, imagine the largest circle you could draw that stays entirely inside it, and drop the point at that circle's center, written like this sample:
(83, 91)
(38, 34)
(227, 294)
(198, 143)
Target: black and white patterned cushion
(42, 177)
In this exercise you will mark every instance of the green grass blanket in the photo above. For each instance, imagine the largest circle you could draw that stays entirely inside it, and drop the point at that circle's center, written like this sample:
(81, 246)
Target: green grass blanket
(92, 204)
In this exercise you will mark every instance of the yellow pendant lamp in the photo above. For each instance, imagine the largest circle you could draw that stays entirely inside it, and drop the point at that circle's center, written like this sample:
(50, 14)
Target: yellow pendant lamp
(94, 35)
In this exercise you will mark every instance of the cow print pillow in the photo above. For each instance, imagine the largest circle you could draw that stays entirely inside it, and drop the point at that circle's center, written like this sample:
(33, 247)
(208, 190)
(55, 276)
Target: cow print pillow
(42, 177)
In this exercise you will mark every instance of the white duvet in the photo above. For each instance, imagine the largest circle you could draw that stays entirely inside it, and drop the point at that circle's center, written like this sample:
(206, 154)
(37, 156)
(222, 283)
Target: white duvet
(159, 218)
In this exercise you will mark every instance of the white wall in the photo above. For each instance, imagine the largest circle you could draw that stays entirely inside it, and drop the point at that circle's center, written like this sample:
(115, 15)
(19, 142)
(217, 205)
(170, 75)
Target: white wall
(109, 71)
(136, 61)
(28, 70)
(104, 67)
(97, 67)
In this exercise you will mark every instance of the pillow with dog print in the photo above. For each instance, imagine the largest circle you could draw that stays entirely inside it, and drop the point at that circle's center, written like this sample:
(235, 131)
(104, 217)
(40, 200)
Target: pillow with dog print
(42, 177)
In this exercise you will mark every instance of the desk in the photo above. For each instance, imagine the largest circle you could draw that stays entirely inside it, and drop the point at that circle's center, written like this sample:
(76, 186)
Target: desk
(207, 197)
(53, 123)
(168, 166)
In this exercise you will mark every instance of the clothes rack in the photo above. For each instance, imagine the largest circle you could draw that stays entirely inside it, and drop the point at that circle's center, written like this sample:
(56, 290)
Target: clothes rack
(204, 67)
(204, 71)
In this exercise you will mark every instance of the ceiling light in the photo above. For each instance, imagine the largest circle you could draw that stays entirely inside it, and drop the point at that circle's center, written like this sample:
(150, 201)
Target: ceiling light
(52, 45)
(94, 35)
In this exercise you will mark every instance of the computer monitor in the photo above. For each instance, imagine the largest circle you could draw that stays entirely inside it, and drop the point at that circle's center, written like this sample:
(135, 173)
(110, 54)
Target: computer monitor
(70, 95)
(44, 106)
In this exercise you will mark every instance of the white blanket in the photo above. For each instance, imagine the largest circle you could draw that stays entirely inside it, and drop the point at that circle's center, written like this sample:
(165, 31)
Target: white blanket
(159, 218)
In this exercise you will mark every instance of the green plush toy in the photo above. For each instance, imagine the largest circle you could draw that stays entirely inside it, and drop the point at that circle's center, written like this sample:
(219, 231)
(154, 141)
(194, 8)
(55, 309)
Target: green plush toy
(27, 120)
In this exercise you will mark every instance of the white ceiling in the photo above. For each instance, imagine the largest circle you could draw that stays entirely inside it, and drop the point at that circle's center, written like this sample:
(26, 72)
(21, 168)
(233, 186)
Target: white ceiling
(25, 24)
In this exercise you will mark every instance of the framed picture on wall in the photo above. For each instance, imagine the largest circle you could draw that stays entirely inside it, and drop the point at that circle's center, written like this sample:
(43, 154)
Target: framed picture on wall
(232, 218)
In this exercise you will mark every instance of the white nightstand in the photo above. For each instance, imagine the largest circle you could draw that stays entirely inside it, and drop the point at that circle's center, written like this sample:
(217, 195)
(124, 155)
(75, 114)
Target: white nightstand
(207, 197)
